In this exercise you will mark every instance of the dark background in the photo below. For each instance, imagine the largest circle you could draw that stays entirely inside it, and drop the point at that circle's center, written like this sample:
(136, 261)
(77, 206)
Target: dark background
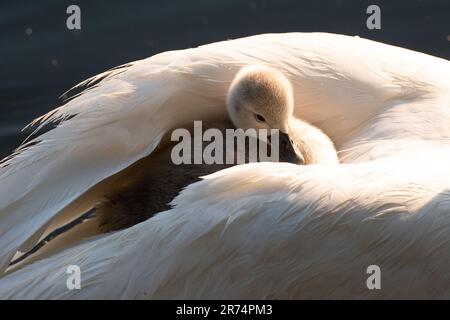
(37, 68)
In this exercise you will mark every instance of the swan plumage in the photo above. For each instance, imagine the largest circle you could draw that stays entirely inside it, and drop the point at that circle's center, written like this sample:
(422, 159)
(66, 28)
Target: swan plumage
(386, 109)
(254, 231)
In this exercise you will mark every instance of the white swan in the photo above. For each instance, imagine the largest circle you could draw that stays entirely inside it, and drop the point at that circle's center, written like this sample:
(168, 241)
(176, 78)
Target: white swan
(258, 230)
(259, 98)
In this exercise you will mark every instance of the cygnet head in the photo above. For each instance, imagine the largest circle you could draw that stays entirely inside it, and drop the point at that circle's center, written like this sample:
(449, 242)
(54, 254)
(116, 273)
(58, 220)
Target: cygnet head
(262, 98)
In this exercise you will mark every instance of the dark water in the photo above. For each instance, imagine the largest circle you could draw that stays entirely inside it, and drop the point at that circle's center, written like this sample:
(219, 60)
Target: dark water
(36, 68)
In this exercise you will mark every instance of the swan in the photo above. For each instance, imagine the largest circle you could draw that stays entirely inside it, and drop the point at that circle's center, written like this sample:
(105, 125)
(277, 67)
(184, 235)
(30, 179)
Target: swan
(258, 98)
(260, 230)
(262, 98)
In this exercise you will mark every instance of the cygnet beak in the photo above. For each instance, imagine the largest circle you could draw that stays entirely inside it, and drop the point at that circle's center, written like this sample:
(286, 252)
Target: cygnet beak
(288, 150)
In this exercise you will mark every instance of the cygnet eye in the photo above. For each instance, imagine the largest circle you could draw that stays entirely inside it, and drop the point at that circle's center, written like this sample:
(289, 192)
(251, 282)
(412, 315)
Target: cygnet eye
(260, 118)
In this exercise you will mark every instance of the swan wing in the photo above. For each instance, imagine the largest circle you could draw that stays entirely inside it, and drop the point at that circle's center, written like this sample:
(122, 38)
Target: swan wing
(304, 232)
